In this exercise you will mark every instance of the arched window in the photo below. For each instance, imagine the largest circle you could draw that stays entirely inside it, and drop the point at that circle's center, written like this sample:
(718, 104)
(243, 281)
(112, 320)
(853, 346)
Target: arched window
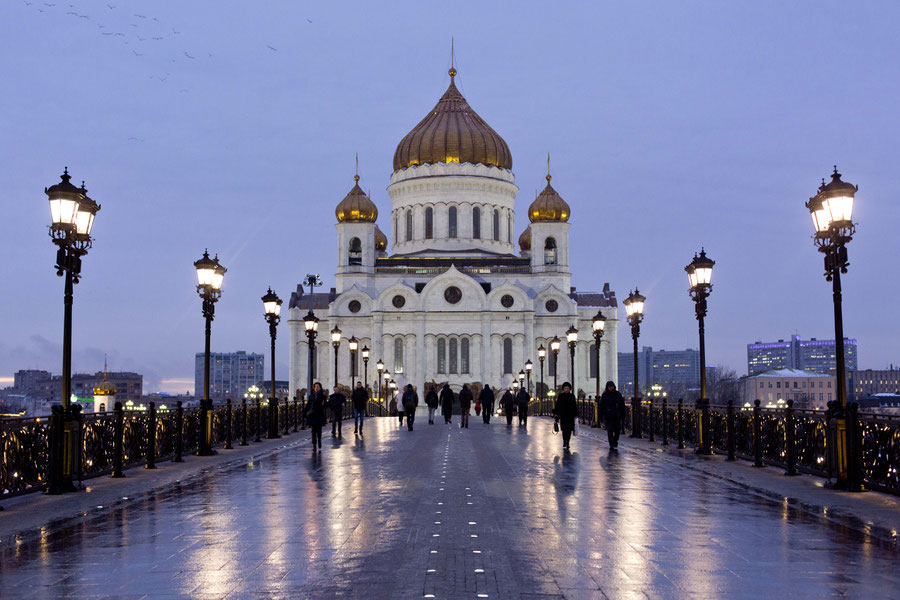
(453, 362)
(476, 223)
(441, 355)
(509, 228)
(355, 256)
(398, 355)
(409, 224)
(464, 356)
(550, 251)
(593, 356)
(496, 225)
(507, 356)
(429, 223)
(451, 230)
(102, 407)
(396, 235)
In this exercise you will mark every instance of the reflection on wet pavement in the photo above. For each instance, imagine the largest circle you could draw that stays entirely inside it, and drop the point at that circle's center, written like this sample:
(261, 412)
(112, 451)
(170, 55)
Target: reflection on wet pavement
(485, 512)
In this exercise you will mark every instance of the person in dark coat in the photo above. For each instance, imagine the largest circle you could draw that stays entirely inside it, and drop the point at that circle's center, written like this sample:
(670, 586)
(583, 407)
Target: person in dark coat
(566, 410)
(486, 397)
(315, 414)
(508, 404)
(447, 398)
(522, 399)
(410, 402)
(360, 400)
(336, 402)
(432, 402)
(612, 411)
(465, 403)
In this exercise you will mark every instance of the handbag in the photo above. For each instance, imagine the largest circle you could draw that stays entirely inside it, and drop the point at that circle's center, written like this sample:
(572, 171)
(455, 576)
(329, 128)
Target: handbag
(555, 426)
(477, 407)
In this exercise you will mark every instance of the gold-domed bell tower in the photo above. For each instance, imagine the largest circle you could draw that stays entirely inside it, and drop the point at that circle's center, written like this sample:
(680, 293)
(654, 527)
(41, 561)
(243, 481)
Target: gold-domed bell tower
(548, 238)
(104, 393)
(356, 234)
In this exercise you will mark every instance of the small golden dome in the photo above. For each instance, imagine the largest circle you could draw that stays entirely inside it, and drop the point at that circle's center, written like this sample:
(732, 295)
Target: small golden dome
(356, 206)
(452, 133)
(525, 240)
(380, 240)
(548, 206)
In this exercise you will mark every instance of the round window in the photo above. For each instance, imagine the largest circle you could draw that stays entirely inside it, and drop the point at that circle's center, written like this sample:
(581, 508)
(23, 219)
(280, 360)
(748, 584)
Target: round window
(398, 301)
(452, 294)
(354, 306)
(551, 306)
(506, 301)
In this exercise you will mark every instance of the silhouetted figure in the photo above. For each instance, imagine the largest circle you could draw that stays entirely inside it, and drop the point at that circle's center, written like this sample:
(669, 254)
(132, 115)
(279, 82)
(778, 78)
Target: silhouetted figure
(432, 402)
(508, 404)
(465, 403)
(336, 402)
(360, 400)
(486, 397)
(566, 410)
(522, 399)
(410, 402)
(315, 414)
(612, 411)
(447, 403)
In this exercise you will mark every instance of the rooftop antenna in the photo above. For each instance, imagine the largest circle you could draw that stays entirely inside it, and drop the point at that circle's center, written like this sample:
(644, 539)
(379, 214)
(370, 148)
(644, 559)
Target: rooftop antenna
(356, 177)
(453, 57)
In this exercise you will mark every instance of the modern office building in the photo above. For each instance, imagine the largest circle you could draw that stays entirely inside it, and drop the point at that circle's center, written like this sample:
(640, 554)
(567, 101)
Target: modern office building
(817, 356)
(675, 368)
(868, 382)
(230, 373)
(806, 389)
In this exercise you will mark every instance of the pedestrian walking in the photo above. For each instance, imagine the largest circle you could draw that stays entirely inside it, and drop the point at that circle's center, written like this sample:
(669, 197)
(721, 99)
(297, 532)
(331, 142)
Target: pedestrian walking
(486, 397)
(447, 398)
(410, 402)
(336, 402)
(398, 395)
(315, 414)
(522, 400)
(566, 410)
(508, 404)
(432, 402)
(612, 411)
(360, 400)
(465, 403)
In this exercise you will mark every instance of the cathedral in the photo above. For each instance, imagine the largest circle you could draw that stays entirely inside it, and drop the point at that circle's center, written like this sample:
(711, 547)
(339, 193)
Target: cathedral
(452, 301)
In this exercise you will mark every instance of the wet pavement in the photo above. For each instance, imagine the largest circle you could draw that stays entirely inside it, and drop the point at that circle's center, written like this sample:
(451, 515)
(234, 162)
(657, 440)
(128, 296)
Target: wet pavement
(484, 512)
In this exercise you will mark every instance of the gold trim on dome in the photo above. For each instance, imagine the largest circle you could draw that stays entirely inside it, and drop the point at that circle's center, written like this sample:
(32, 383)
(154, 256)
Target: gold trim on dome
(380, 240)
(525, 240)
(452, 133)
(549, 206)
(356, 207)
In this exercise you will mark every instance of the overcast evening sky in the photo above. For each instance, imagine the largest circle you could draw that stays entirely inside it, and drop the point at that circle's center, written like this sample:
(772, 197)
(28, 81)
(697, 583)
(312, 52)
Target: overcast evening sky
(671, 125)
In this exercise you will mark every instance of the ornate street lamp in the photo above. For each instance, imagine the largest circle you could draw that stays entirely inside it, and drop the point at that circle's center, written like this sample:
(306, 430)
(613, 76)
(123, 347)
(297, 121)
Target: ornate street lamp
(365, 357)
(832, 214)
(598, 323)
(522, 378)
(699, 273)
(353, 344)
(379, 368)
(272, 308)
(634, 309)
(387, 388)
(72, 215)
(528, 368)
(209, 286)
(336, 342)
(311, 324)
(572, 339)
(554, 348)
(542, 354)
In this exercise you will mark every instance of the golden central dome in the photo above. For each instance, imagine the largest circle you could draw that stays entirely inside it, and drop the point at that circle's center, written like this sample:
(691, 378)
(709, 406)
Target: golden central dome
(356, 206)
(380, 240)
(452, 133)
(548, 206)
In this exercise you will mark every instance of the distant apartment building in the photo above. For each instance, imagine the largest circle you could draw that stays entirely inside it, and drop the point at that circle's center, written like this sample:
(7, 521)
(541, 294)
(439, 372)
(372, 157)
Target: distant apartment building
(282, 388)
(817, 356)
(679, 368)
(230, 373)
(868, 382)
(806, 389)
(40, 384)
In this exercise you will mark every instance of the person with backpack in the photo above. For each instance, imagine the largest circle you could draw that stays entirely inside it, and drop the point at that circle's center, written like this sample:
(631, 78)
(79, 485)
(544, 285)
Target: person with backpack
(465, 403)
(566, 410)
(360, 399)
(336, 402)
(431, 401)
(522, 400)
(486, 397)
(315, 414)
(447, 399)
(612, 411)
(410, 401)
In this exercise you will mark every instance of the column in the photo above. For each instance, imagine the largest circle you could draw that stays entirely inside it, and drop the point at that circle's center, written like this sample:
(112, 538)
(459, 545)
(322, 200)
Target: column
(420, 357)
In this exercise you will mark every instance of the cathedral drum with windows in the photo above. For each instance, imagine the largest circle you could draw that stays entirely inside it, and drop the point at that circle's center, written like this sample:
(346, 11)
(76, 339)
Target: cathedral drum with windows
(453, 301)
